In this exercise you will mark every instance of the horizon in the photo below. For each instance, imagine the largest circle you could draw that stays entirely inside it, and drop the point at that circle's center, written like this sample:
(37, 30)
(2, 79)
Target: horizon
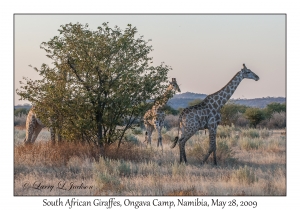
(25, 104)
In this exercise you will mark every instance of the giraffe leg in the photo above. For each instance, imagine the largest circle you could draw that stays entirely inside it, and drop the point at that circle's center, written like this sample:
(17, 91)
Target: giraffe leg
(212, 146)
(52, 134)
(146, 136)
(36, 132)
(159, 140)
(182, 142)
(149, 134)
(30, 127)
(182, 150)
(59, 139)
(215, 157)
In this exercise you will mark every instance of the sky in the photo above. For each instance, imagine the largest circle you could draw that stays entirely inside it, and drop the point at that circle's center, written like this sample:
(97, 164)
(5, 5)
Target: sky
(204, 51)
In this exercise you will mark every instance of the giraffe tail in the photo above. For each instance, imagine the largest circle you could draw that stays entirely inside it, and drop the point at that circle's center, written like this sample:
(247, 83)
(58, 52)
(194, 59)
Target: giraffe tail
(174, 142)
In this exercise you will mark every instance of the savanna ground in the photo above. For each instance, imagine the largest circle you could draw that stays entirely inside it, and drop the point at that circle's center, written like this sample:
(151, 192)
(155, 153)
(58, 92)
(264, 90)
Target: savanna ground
(250, 162)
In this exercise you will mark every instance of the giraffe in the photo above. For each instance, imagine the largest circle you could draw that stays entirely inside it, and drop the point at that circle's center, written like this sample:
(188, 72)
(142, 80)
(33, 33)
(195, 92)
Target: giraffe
(206, 115)
(154, 117)
(34, 124)
(34, 127)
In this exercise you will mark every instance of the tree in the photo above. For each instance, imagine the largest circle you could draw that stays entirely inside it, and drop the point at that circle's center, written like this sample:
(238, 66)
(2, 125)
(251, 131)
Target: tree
(255, 116)
(229, 113)
(169, 110)
(271, 108)
(194, 102)
(20, 111)
(99, 84)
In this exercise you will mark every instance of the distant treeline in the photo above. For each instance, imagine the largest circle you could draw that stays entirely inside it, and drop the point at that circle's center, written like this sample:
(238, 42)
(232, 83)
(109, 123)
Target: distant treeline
(183, 100)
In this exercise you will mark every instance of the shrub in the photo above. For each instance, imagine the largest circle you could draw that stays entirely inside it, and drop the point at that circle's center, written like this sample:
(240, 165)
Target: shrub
(230, 113)
(241, 120)
(274, 108)
(137, 130)
(255, 116)
(20, 120)
(251, 133)
(129, 137)
(106, 181)
(171, 121)
(21, 111)
(264, 133)
(250, 144)
(277, 120)
(124, 168)
(245, 175)
(224, 131)
(178, 169)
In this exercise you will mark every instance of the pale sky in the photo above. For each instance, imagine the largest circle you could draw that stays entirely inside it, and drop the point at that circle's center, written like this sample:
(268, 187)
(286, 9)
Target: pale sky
(205, 51)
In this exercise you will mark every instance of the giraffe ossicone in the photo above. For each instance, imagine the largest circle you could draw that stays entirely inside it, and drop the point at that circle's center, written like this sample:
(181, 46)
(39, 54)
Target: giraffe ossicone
(206, 115)
(154, 117)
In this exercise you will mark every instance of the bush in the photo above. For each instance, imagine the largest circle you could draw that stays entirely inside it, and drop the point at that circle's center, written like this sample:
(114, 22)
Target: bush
(277, 121)
(274, 108)
(255, 116)
(264, 133)
(124, 169)
(21, 111)
(241, 121)
(251, 133)
(245, 175)
(224, 152)
(137, 131)
(20, 120)
(230, 113)
(224, 131)
(171, 121)
(129, 137)
(250, 144)
(178, 169)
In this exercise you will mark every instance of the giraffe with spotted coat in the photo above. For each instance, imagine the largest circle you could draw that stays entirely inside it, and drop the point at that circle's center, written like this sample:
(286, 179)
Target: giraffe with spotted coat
(154, 117)
(206, 115)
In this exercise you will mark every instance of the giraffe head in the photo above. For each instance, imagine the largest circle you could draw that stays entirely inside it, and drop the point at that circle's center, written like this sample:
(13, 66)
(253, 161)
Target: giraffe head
(174, 85)
(247, 73)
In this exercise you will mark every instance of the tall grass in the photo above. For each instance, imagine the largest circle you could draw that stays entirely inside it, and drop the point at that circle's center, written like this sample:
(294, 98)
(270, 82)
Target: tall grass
(248, 164)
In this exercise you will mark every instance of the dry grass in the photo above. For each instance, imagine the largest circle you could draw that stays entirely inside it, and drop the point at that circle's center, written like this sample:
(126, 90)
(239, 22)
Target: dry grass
(138, 169)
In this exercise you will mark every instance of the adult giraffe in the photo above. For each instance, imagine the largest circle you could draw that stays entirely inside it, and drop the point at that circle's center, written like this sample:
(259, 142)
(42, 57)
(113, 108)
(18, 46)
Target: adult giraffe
(154, 117)
(206, 114)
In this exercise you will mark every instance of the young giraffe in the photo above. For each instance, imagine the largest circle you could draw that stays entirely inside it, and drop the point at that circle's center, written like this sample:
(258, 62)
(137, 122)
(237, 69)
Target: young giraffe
(206, 114)
(154, 117)
(34, 127)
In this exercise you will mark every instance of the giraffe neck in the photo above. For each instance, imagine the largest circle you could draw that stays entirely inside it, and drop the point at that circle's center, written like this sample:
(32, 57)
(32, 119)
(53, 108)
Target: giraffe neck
(164, 98)
(223, 95)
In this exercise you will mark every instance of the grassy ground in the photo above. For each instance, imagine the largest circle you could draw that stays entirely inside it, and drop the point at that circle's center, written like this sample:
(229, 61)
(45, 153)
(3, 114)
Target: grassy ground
(250, 162)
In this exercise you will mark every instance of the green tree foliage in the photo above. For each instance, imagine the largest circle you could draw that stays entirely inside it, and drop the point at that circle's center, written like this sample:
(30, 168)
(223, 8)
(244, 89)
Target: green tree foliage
(229, 113)
(254, 115)
(99, 82)
(21, 111)
(274, 107)
(194, 102)
(169, 110)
